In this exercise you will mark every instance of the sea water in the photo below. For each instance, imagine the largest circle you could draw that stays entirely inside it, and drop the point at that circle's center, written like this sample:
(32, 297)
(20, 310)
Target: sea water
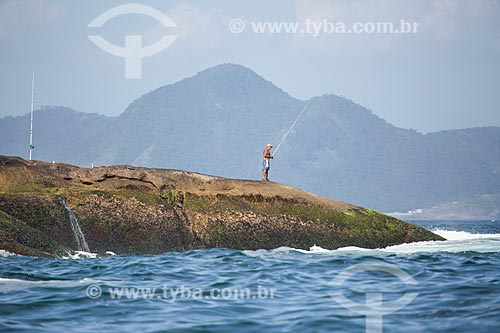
(447, 286)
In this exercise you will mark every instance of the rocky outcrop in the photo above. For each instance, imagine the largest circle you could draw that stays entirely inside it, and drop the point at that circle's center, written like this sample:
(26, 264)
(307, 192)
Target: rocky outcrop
(127, 210)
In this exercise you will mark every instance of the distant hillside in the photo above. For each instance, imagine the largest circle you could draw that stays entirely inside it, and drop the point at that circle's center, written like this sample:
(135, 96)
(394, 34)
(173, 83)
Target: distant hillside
(218, 122)
(60, 134)
(354, 155)
(479, 207)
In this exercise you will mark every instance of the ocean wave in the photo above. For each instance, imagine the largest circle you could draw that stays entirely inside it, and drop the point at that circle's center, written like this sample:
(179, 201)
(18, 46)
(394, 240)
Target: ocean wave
(4, 253)
(456, 242)
(8, 285)
(80, 255)
(84, 255)
(462, 235)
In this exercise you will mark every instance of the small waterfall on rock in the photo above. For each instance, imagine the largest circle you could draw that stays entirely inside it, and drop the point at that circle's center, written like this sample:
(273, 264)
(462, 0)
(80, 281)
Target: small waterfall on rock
(81, 243)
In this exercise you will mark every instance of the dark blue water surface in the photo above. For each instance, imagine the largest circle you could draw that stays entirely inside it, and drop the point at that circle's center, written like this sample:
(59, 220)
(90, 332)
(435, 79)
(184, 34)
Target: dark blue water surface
(456, 283)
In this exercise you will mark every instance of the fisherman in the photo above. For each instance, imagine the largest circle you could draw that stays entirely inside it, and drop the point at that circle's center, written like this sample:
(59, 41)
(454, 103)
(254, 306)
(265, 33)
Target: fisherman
(266, 162)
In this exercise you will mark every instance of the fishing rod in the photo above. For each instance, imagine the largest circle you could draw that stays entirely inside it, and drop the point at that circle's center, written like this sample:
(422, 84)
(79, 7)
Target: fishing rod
(293, 125)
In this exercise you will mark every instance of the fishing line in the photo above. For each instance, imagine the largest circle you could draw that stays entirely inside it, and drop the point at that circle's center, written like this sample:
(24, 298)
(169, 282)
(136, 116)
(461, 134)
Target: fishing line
(293, 125)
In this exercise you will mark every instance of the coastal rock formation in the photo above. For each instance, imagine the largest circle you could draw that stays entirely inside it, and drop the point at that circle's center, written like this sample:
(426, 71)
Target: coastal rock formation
(128, 210)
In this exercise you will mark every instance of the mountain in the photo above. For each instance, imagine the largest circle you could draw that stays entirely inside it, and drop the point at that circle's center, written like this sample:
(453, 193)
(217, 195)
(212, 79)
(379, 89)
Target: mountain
(215, 122)
(59, 134)
(356, 156)
(479, 207)
(218, 122)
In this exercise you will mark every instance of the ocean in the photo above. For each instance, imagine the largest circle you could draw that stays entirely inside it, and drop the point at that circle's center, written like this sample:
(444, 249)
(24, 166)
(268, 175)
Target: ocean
(448, 286)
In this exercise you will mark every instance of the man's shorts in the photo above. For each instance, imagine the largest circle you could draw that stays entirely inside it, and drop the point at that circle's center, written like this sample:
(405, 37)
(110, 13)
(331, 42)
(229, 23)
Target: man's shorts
(265, 165)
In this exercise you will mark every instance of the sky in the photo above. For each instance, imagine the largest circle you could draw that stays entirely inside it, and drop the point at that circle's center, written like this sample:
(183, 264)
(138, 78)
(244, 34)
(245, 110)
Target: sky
(444, 75)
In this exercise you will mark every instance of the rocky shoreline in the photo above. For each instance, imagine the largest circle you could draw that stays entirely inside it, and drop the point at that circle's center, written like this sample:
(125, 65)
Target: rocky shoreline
(132, 210)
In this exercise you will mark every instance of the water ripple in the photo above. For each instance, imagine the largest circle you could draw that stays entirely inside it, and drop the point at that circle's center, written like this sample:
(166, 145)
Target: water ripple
(457, 286)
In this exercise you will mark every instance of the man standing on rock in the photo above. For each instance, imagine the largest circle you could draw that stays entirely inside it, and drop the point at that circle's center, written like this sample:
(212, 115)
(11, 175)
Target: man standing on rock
(266, 162)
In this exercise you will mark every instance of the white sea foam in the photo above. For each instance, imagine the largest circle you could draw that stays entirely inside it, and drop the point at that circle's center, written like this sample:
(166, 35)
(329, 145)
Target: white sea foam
(4, 253)
(84, 254)
(462, 235)
(457, 241)
(80, 255)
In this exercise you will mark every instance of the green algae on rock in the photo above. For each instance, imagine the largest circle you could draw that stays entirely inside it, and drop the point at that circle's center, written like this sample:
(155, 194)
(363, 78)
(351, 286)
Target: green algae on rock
(129, 210)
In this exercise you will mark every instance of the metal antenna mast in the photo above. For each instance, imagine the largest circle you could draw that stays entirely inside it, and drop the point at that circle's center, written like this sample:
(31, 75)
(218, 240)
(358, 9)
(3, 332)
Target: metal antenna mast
(32, 109)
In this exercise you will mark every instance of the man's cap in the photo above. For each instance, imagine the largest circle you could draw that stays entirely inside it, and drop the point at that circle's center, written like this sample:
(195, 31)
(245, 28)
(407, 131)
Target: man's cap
(269, 145)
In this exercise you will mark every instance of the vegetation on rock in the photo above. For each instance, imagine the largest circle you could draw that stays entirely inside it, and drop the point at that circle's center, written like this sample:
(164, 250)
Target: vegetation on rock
(128, 210)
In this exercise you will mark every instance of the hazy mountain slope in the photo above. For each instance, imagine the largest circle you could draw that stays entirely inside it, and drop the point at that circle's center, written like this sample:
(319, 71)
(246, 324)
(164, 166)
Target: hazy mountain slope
(479, 207)
(60, 134)
(218, 122)
(356, 156)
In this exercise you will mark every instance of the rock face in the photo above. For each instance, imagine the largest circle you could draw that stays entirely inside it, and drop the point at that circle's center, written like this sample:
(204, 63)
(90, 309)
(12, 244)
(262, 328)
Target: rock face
(128, 210)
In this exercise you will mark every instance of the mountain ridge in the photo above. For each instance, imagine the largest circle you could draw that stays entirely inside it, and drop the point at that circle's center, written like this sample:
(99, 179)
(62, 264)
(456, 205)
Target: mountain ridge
(219, 120)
